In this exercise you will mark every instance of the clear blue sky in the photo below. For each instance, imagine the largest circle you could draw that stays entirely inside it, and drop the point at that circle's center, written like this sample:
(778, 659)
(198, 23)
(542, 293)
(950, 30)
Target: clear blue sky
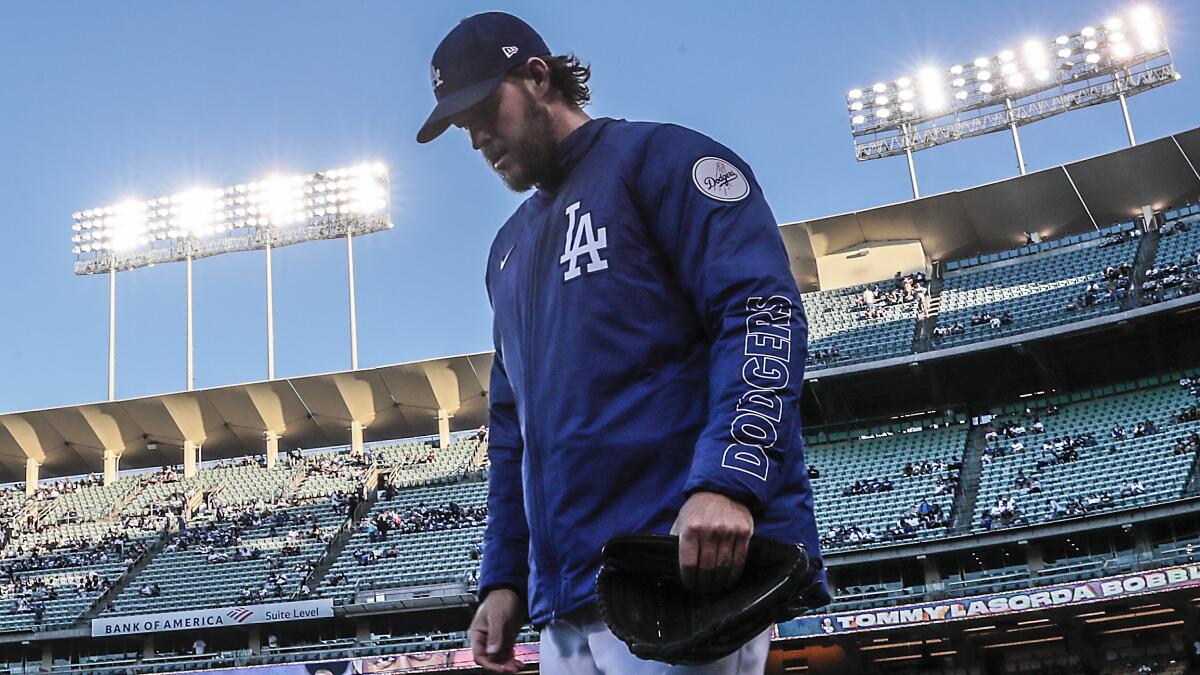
(103, 101)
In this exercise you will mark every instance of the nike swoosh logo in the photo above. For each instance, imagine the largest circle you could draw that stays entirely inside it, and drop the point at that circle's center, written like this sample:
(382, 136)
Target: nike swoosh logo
(504, 260)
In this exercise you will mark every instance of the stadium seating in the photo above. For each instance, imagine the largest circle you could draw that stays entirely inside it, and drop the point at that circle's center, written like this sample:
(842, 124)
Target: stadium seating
(46, 570)
(1104, 467)
(1175, 259)
(1033, 287)
(1033, 283)
(841, 463)
(834, 321)
(422, 557)
(87, 503)
(189, 578)
(417, 463)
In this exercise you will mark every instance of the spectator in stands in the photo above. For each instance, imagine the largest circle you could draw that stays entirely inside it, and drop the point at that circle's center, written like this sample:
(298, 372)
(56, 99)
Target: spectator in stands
(945, 485)
(1006, 513)
(813, 472)
(868, 301)
(1132, 488)
(1189, 413)
(955, 328)
(923, 301)
(1144, 428)
(868, 486)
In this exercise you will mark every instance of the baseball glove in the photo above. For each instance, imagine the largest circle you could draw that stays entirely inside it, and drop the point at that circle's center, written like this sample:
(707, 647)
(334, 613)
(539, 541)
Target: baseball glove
(644, 603)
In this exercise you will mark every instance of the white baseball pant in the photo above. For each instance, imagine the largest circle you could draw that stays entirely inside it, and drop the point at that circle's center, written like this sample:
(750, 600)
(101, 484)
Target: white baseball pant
(582, 644)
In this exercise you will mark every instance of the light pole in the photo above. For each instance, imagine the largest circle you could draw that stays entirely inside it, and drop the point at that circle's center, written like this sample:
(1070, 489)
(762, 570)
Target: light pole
(202, 222)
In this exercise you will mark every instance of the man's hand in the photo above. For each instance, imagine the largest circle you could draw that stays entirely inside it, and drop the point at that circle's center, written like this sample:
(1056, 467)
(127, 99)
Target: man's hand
(714, 534)
(494, 629)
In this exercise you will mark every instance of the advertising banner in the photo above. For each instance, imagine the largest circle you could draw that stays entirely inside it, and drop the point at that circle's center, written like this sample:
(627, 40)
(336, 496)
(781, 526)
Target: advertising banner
(213, 617)
(1029, 600)
(452, 659)
(316, 668)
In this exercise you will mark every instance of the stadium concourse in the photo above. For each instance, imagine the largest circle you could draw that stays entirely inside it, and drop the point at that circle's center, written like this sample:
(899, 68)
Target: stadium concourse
(1002, 427)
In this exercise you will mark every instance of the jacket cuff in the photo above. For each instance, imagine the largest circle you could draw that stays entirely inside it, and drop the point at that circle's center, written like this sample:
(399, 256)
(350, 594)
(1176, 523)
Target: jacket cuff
(482, 594)
(736, 493)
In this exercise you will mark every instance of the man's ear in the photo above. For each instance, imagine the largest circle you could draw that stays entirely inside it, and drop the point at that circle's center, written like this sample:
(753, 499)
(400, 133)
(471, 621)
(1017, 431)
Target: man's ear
(539, 77)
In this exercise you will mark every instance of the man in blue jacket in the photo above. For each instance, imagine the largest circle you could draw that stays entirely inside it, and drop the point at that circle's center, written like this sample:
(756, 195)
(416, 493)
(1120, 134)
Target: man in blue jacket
(650, 348)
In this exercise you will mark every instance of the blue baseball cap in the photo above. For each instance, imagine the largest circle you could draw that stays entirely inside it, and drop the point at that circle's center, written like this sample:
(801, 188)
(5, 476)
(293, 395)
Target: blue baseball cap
(472, 61)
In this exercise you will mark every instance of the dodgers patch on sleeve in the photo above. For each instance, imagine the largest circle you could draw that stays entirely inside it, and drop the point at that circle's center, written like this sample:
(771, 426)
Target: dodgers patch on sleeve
(720, 179)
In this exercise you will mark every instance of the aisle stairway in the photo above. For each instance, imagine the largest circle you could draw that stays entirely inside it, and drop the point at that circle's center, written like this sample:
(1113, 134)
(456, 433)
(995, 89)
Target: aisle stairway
(963, 512)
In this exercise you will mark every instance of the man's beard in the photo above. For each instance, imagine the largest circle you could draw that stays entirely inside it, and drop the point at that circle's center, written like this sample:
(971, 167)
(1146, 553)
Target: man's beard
(533, 159)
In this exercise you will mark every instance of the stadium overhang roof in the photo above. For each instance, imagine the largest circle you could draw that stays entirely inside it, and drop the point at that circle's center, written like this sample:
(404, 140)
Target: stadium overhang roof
(397, 401)
(995, 216)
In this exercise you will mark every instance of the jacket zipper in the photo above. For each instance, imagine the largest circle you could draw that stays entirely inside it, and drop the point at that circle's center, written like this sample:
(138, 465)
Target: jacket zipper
(538, 486)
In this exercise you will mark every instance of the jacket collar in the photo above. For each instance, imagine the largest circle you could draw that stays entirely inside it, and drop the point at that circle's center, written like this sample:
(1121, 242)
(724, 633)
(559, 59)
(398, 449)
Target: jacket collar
(573, 148)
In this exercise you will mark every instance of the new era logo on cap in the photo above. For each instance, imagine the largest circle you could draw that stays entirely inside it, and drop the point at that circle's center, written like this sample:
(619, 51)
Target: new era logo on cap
(472, 60)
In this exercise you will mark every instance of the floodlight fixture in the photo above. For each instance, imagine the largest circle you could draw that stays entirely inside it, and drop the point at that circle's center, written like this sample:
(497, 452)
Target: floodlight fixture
(200, 222)
(1124, 55)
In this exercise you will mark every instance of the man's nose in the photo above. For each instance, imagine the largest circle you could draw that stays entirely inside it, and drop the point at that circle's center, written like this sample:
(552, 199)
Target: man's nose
(479, 137)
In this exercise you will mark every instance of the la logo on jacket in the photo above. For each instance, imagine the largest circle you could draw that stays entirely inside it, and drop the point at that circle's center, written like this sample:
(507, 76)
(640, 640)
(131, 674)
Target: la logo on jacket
(583, 239)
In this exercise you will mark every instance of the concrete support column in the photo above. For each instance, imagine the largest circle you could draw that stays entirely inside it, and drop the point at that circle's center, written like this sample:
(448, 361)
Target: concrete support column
(255, 644)
(1143, 548)
(356, 438)
(1148, 218)
(1035, 558)
(443, 418)
(112, 464)
(47, 657)
(362, 630)
(31, 476)
(148, 647)
(1087, 646)
(933, 576)
(190, 455)
(272, 449)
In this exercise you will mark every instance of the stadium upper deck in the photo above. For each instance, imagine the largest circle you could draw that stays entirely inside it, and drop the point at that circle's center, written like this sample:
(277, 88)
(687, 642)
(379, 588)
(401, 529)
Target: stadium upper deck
(914, 485)
(1069, 207)
(1056, 202)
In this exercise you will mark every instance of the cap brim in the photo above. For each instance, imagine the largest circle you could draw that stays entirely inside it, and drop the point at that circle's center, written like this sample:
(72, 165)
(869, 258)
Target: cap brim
(455, 103)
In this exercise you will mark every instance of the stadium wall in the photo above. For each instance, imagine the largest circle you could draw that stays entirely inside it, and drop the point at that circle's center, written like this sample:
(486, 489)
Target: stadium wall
(864, 263)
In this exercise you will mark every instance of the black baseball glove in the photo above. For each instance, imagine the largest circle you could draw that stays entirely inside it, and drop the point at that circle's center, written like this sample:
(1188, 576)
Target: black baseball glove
(645, 604)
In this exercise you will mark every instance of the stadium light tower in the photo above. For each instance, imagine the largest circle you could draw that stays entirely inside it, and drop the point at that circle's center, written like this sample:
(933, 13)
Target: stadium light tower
(1125, 55)
(204, 222)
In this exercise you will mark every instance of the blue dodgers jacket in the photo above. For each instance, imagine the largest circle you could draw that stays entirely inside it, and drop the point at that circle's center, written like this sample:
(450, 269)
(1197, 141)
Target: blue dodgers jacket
(650, 343)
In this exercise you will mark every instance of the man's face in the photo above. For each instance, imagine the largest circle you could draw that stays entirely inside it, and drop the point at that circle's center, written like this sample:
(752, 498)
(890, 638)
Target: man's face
(514, 134)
